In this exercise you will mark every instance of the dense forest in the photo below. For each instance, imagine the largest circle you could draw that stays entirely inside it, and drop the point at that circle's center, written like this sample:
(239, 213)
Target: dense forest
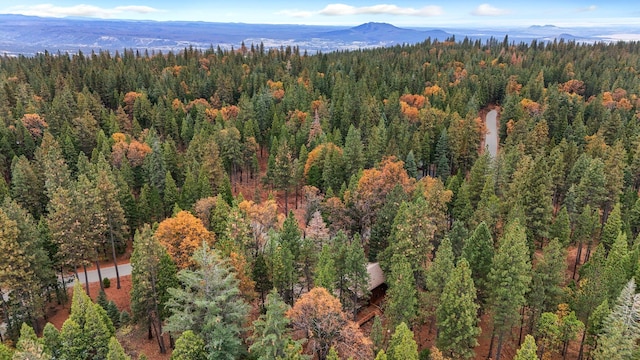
(253, 186)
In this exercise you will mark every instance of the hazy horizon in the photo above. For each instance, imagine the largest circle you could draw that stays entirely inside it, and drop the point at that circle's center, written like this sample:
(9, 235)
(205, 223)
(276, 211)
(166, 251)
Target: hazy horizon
(462, 14)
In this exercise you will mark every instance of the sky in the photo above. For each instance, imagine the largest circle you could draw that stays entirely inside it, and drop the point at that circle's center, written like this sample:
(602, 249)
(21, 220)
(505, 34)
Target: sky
(457, 13)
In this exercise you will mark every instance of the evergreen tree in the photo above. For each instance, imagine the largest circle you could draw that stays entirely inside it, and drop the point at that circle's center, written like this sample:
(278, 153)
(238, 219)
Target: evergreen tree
(509, 280)
(561, 227)
(458, 236)
(209, 303)
(410, 165)
(17, 277)
(325, 273)
(27, 186)
(260, 275)
(616, 267)
(270, 331)
(377, 335)
(478, 250)
(412, 234)
(171, 194)
(73, 342)
(457, 314)
(547, 280)
(353, 152)
(109, 205)
(442, 156)
(402, 301)
(621, 330)
(189, 346)
(528, 350)
(5, 352)
(116, 352)
(381, 229)
(153, 273)
(402, 346)
(357, 277)
(51, 341)
(611, 228)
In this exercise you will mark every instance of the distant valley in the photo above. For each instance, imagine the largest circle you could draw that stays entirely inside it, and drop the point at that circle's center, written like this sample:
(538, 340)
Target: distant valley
(28, 35)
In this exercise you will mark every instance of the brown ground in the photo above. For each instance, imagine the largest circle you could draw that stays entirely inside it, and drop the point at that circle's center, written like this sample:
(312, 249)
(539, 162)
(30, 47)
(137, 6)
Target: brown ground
(136, 342)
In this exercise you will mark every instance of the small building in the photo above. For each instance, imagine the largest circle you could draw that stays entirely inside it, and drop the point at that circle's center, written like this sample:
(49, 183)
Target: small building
(376, 276)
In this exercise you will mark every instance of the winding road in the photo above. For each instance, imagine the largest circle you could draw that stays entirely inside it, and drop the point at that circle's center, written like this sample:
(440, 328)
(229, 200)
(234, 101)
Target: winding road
(110, 272)
(491, 137)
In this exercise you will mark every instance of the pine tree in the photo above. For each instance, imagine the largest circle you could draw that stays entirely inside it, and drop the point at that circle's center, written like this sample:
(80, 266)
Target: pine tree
(440, 270)
(325, 273)
(377, 335)
(5, 352)
(357, 277)
(51, 341)
(612, 227)
(116, 352)
(381, 228)
(209, 303)
(528, 350)
(28, 347)
(27, 186)
(96, 333)
(381, 355)
(561, 227)
(509, 280)
(402, 346)
(478, 250)
(189, 346)
(109, 205)
(171, 194)
(410, 165)
(442, 156)
(270, 331)
(457, 236)
(152, 274)
(536, 202)
(353, 152)
(17, 277)
(402, 301)
(283, 171)
(73, 342)
(412, 234)
(457, 314)
(260, 274)
(547, 280)
(621, 330)
(616, 267)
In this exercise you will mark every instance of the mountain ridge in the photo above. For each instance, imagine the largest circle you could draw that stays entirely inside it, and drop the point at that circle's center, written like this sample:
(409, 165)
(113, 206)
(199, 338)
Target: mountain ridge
(29, 35)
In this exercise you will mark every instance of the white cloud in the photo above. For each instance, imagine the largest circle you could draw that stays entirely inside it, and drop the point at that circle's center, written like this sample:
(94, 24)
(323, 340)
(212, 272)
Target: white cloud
(380, 9)
(488, 10)
(588, 8)
(50, 10)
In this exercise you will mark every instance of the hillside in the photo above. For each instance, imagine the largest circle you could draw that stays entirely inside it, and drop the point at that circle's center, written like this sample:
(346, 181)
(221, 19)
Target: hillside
(252, 188)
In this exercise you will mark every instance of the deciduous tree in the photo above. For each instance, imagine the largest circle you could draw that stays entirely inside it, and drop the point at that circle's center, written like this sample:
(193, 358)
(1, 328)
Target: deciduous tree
(182, 235)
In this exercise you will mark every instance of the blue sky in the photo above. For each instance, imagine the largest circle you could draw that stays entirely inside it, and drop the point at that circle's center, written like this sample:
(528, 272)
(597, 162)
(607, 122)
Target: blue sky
(457, 13)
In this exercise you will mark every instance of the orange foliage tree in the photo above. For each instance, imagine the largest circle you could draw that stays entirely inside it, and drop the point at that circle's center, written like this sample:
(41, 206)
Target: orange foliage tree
(317, 156)
(182, 235)
(319, 315)
(35, 124)
(375, 184)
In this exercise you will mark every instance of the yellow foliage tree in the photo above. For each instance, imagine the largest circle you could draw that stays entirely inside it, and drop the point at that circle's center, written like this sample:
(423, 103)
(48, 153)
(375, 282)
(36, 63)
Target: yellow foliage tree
(182, 235)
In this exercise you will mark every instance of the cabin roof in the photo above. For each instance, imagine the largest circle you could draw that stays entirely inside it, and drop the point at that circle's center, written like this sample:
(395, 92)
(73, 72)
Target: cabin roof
(376, 276)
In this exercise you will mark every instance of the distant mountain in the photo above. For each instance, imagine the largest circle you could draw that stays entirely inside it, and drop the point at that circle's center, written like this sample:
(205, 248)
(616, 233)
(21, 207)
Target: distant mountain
(383, 32)
(29, 35)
